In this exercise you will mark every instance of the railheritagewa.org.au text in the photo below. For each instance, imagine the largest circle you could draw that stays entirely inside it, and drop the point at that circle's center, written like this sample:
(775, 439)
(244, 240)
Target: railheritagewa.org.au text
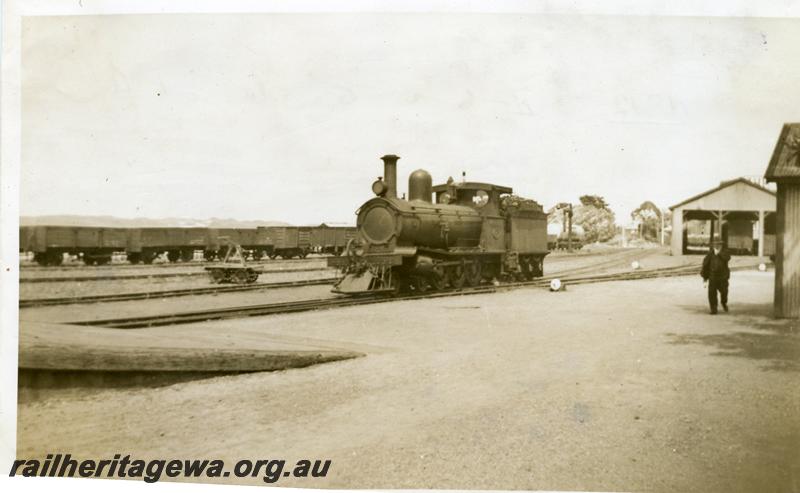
(269, 470)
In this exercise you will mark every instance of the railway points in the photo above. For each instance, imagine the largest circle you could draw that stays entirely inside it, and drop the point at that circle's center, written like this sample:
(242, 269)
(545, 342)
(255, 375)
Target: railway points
(327, 303)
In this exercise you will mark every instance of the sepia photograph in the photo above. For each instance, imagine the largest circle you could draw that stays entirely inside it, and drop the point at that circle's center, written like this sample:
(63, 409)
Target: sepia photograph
(364, 245)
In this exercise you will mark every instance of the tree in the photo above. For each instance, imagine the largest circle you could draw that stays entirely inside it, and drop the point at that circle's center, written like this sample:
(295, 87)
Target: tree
(593, 215)
(648, 215)
(594, 201)
(597, 223)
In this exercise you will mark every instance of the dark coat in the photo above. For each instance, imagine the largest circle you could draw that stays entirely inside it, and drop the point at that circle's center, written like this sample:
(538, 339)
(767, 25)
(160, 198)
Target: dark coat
(715, 267)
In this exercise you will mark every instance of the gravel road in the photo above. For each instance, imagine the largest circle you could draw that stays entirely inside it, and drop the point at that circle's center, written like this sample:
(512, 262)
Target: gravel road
(612, 386)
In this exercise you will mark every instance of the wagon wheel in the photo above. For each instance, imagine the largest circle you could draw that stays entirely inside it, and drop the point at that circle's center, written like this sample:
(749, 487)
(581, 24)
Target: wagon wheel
(538, 267)
(173, 255)
(148, 258)
(438, 279)
(272, 255)
(87, 260)
(240, 277)
(56, 259)
(457, 276)
(304, 254)
(474, 273)
(217, 276)
(187, 255)
(134, 258)
(258, 254)
(252, 276)
(208, 254)
(103, 260)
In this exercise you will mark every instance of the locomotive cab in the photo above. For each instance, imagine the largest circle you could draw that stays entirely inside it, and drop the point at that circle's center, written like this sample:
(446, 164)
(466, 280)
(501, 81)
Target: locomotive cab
(483, 197)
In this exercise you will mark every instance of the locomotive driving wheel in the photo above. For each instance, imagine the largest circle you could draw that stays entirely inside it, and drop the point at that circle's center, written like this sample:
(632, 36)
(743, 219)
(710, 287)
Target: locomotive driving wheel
(473, 273)
(420, 284)
(457, 276)
(438, 279)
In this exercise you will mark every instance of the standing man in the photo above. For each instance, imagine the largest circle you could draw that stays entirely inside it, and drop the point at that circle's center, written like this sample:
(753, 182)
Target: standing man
(715, 274)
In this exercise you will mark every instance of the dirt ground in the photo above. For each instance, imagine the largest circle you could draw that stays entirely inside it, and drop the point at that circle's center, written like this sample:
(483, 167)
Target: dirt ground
(39, 290)
(123, 270)
(615, 386)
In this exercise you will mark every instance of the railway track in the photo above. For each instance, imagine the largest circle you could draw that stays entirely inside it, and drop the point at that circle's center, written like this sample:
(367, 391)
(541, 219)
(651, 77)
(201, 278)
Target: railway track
(72, 300)
(228, 289)
(619, 259)
(319, 304)
(148, 276)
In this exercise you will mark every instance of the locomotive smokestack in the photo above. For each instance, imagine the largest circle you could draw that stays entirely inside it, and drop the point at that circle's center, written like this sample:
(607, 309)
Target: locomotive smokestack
(390, 174)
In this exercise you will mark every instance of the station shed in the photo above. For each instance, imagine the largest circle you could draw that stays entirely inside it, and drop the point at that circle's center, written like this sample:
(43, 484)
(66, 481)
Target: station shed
(740, 211)
(784, 170)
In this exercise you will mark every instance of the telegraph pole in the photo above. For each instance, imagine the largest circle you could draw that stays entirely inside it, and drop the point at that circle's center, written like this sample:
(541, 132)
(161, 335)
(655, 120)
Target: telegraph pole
(569, 231)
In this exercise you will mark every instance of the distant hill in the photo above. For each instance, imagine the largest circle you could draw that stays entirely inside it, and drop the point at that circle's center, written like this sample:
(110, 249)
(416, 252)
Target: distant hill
(142, 222)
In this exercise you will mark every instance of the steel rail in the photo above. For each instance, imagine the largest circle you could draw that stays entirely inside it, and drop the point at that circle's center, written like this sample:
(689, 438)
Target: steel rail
(149, 276)
(170, 293)
(317, 304)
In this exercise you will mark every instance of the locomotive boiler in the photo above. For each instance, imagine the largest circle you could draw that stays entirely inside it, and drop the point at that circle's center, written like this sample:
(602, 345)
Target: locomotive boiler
(442, 236)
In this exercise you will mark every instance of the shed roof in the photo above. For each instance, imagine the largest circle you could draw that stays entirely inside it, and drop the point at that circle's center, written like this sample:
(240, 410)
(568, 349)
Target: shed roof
(785, 162)
(723, 185)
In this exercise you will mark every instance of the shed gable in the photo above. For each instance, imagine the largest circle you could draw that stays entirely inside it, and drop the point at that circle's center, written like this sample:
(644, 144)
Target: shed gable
(784, 165)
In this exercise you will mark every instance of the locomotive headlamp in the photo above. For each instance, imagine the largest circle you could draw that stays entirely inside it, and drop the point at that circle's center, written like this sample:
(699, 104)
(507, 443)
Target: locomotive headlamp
(379, 188)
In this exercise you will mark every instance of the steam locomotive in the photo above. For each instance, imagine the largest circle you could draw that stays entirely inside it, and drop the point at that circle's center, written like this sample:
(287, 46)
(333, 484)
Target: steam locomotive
(472, 232)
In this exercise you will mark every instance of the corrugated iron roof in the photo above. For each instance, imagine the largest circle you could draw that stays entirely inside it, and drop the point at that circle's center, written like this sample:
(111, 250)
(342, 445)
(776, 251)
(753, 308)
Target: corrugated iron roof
(722, 185)
(785, 162)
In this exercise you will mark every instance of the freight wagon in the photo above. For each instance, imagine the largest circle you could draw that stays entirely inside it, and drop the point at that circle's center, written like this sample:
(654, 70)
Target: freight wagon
(331, 239)
(288, 241)
(50, 243)
(143, 245)
(146, 244)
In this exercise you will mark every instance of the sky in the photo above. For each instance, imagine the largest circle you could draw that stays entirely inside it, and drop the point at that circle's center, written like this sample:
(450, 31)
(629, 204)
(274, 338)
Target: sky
(285, 116)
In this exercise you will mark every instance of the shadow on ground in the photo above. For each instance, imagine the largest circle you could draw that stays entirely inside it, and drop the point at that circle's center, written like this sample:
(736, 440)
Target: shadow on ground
(774, 342)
